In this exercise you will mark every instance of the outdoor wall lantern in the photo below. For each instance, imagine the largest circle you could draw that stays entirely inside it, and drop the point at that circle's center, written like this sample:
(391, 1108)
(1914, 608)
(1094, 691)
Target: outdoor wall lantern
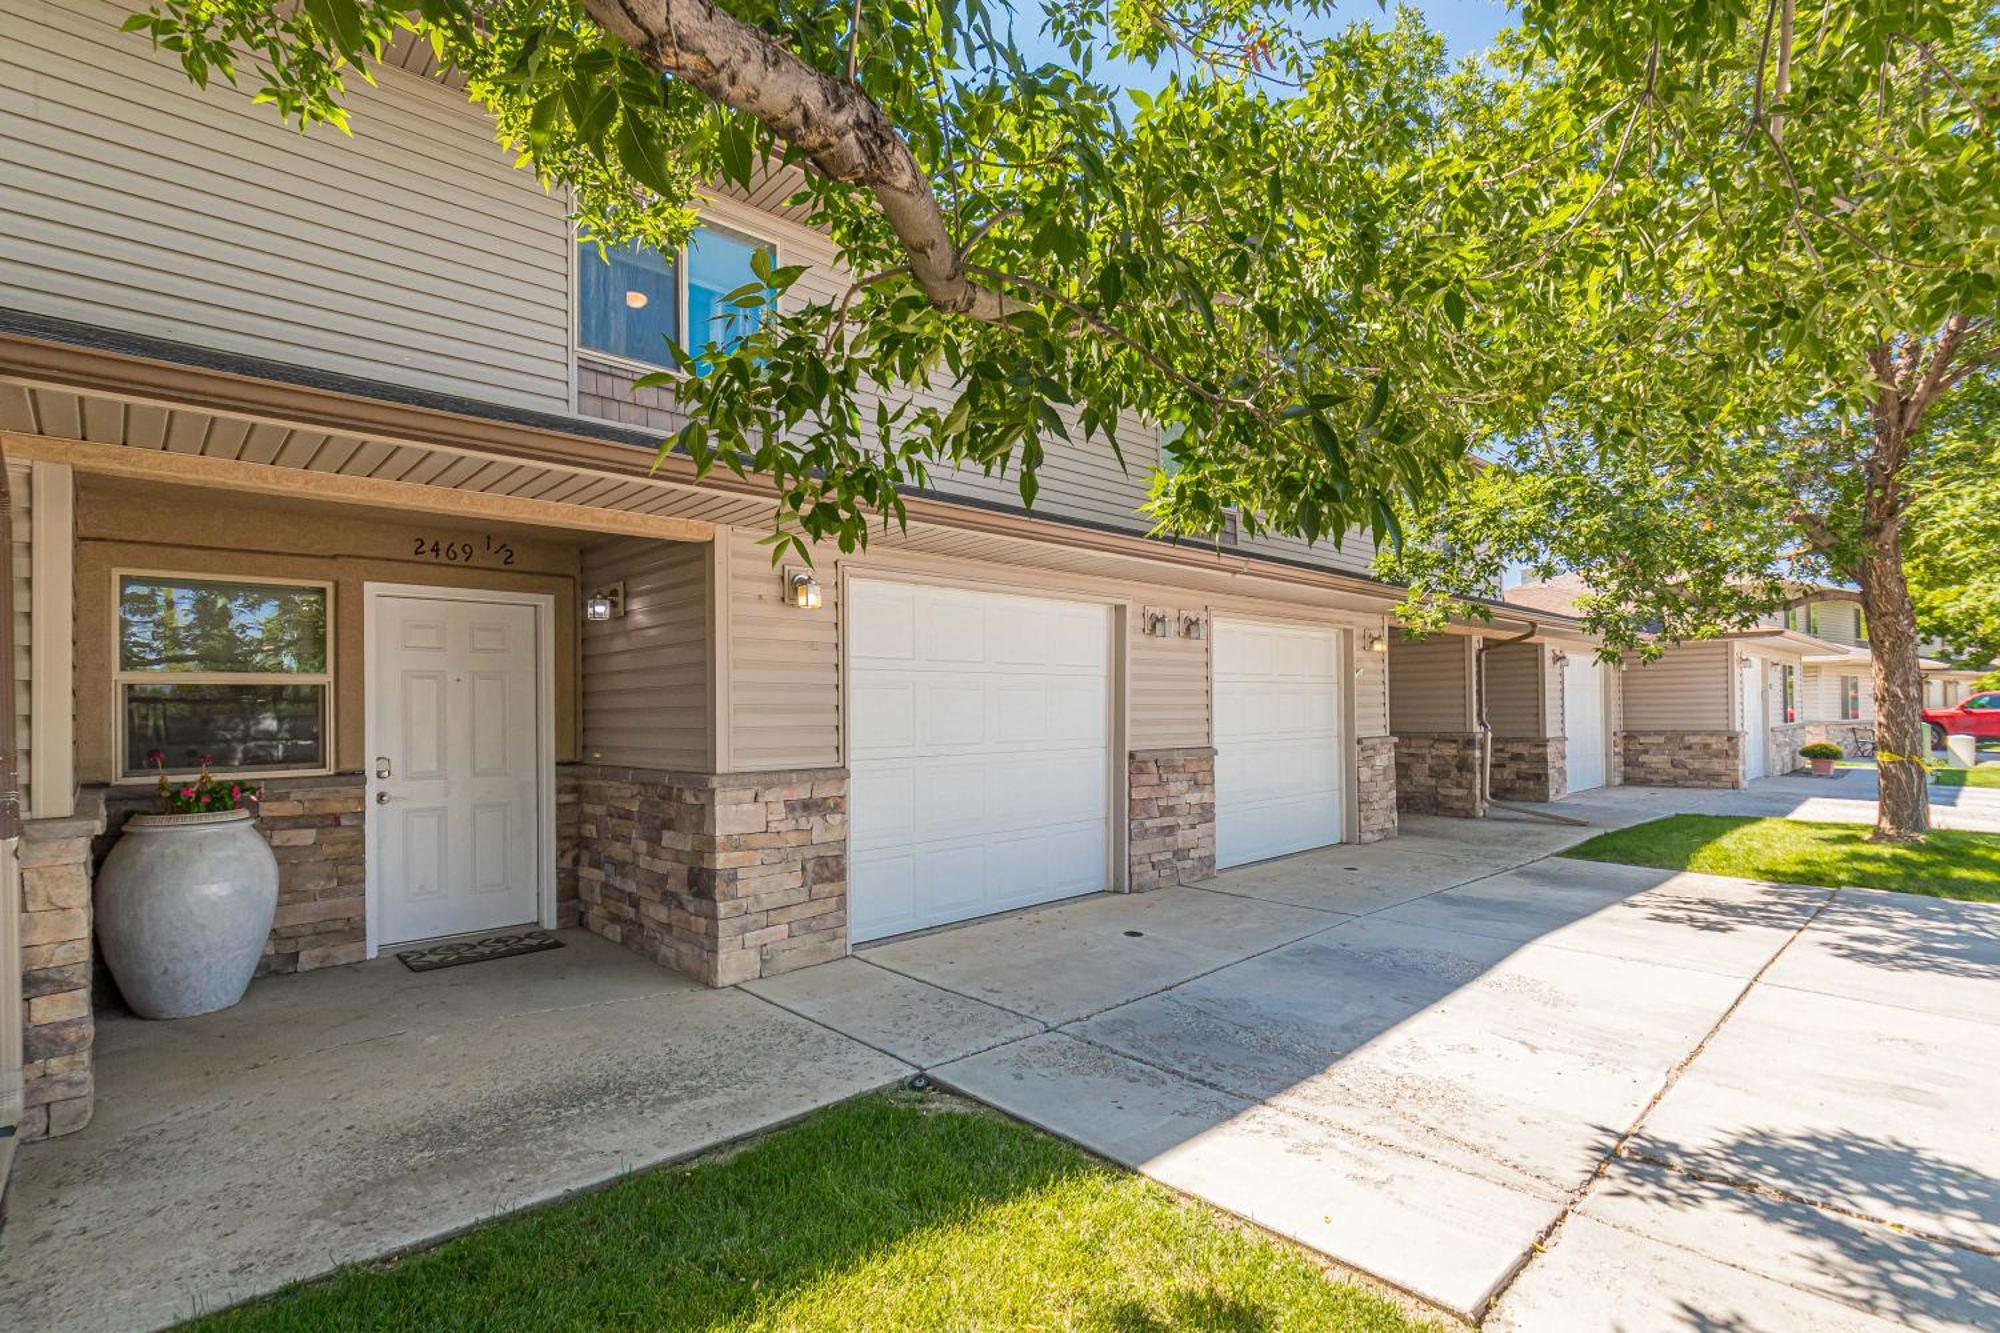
(1155, 622)
(801, 588)
(607, 603)
(1376, 643)
(1194, 625)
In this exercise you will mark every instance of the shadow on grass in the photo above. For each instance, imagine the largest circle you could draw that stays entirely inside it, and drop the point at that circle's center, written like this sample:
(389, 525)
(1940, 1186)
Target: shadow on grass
(1880, 1268)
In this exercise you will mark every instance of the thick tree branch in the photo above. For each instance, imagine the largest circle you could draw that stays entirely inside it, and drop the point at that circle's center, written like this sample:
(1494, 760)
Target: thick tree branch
(837, 127)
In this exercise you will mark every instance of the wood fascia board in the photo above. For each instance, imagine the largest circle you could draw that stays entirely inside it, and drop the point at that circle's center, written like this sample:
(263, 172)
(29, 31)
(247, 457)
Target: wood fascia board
(296, 483)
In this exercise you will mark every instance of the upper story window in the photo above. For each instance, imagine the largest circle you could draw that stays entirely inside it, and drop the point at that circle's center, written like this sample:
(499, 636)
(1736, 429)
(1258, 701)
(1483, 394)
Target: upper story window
(215, 672)
(631, 302)
(1860, 625)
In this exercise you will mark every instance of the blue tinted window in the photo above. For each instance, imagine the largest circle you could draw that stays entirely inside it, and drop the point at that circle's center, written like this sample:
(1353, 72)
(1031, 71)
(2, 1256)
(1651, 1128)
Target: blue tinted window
(718, 263)
(627, 302)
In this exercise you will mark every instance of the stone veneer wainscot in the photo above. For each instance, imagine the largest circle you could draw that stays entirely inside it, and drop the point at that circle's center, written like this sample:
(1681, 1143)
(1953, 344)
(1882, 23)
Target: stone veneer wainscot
(1438, 773)
(1530, 768)
(1171, 829)
(724, 877)
(58, 1090)
(1375, 788)
(1683, 758)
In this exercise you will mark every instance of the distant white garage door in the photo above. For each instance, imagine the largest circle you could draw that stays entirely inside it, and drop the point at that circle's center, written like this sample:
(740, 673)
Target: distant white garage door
(1277, 740)
(978, 735)
(1585, 680)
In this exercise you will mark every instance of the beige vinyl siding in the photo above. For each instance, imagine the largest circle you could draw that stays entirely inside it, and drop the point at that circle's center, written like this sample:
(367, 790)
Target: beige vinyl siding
(1517, 702)
(782, 690)
(645, 674)
(1081, 480)
(412, 253)
(1169, 699)
(1687, 688)
(781, 687)
(20, 494)
(1430, 684)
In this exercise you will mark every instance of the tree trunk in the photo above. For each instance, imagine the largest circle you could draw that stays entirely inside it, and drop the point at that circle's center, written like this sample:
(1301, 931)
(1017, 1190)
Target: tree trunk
(1902, 812)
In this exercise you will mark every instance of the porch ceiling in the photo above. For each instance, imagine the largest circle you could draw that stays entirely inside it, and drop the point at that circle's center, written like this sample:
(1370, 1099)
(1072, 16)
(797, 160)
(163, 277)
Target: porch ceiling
(129, 437)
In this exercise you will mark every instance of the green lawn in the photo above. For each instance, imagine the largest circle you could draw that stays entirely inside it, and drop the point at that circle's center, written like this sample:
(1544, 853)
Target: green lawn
(888, 1212)
(1796, 851)
(1986, 775)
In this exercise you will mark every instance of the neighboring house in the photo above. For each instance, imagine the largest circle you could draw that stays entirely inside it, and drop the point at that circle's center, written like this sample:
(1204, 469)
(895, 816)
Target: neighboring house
(369, 399)
(1708, 713)
(1839, 692)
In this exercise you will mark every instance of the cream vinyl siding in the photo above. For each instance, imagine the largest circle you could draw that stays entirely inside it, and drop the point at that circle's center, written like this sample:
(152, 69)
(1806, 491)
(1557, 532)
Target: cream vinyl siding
(1430, 684)
(412, 253)
(782, 677)
(781, 684)
(1169, 699)
(1517, 702)
(20, 500)
(645, 674)
(1687, 689)
(1078, 480)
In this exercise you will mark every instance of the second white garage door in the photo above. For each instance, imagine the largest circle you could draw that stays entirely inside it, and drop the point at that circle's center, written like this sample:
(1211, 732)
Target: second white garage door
(978, 742)
(1277, 740)
(1584, 682)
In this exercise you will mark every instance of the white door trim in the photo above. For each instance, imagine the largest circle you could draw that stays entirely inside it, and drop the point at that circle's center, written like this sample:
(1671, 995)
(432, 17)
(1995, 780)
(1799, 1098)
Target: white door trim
(544, 606)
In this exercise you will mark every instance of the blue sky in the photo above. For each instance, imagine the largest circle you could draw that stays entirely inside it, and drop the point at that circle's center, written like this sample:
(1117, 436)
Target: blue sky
(1468, 26)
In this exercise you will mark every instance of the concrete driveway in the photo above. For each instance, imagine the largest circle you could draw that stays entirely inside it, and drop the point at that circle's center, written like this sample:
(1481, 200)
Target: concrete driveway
(1553, 1094)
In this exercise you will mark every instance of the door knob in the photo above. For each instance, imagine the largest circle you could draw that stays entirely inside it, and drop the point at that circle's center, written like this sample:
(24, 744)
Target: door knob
(382, 798)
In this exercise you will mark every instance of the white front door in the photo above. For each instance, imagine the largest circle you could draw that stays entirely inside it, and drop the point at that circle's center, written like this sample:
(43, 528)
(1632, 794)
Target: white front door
(1584, 679)
(978, 743)
(456, 764)
(1278, 753)
(1756, 721)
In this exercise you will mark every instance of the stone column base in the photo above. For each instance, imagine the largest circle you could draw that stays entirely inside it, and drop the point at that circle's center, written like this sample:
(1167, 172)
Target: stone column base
(1783, 754)
(724, 877)
(1683, 758)
(1170, 818)
(58, 1089)
(1375, 788)
(1857, 739)
(1438, 773)
(1530, 768)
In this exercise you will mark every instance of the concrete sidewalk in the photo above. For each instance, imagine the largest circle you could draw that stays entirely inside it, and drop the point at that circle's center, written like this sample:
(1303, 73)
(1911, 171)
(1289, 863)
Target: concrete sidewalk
(1609, 1097)
(346, 1114)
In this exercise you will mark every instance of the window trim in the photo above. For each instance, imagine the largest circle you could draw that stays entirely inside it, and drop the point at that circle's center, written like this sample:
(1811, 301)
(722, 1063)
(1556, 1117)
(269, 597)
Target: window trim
(1850, 698)
(120, 678)
(576, 243)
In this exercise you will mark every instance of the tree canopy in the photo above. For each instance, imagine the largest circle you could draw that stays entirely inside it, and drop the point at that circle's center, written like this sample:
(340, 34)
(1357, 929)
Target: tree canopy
(1275, 255)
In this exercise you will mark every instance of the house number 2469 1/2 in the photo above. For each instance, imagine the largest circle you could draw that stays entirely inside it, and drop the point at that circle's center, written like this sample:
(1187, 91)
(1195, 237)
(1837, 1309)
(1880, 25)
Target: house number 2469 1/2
(465, 550)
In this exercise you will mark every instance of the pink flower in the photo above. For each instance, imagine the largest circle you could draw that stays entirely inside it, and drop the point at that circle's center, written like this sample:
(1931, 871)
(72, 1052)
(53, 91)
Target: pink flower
(188, 792)
(235, 793)
(157, 758)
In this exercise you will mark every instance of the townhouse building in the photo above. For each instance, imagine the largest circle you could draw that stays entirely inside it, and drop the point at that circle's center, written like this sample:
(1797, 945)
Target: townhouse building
(324, 461)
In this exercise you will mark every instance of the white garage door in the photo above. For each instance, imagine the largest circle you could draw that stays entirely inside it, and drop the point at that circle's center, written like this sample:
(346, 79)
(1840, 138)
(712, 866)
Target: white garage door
(1277, 740)
(1584, 682)
(978, 738)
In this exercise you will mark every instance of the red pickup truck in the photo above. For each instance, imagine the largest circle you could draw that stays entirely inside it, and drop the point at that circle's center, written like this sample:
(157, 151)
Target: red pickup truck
(1975, 715)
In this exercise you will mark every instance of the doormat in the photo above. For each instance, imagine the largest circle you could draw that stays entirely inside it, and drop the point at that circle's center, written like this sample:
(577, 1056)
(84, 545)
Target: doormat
(454, 953)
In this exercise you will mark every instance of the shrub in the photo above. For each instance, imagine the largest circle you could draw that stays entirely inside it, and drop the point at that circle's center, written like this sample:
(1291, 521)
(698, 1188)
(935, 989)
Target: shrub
(1822, 750)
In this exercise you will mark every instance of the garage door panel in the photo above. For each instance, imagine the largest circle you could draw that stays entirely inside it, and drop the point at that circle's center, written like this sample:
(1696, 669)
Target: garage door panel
(887, 633)
(1002, 772)
(1279, 754)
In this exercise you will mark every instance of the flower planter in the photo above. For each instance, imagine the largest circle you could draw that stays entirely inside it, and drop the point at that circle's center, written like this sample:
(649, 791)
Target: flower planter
(1821, 768)
(184, 906)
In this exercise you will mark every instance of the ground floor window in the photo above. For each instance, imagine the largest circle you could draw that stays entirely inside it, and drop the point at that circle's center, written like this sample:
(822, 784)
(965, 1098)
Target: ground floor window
(233, 675)
(1850, 698)
(1789, 684)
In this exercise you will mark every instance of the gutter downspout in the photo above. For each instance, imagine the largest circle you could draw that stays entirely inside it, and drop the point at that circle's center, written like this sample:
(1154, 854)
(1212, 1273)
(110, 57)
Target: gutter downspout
(1486, 797)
